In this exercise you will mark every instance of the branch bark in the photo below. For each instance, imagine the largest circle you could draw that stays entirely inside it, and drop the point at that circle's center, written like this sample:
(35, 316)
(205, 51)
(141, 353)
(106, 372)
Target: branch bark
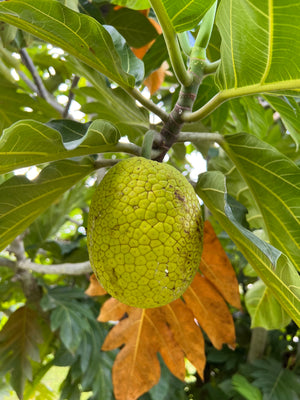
(54, 269)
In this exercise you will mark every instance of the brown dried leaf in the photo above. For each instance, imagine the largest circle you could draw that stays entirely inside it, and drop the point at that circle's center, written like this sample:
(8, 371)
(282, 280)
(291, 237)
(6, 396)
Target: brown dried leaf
(95, 289)
(172, 330)
(211, 311)
(187, 334)
(112, 310)
(217, 268)
(136, 368)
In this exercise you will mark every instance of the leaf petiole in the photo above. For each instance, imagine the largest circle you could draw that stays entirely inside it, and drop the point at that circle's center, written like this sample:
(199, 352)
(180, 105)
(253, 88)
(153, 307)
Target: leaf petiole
(182, 75)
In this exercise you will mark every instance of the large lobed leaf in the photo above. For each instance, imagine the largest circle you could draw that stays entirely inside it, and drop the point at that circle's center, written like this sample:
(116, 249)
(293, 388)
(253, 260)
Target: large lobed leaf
(260, 46)
(186, 14)
(274, 267)
(171, 330)
(78, 34)
(22, 200)
(44, 143)
(274, 181)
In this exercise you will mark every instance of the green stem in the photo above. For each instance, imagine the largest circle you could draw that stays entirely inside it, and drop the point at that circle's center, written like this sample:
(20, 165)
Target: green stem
(228, 94)
(204, 111)
(199, 136)
(182, 75)
(185, 43)
(147, 103)
(211, 67)
(206, 27)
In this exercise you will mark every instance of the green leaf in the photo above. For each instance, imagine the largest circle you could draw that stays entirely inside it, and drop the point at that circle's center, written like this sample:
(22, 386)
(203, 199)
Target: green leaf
(130, 63)
(275, 382)
(244, 387)
(44, 144)
(78, 34)
(237, 188)
(73, 4)
(260, 47)
(289, 111)
(133, 4)
(273, 267)
(264, 309)
(113, 105)
(67, 314)
(48, 223)
(186, 14)
(133, 26)
(156, 55)
(22, 200)
(274, 181)
(22, 106)
(19, 341)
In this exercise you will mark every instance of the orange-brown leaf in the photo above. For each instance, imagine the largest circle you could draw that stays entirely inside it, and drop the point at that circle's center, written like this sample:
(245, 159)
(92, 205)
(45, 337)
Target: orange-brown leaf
(187, 334)
(217, 268)
(112, 310)
(136, 368)
(156, 78)
(95, 289)
(211, 311)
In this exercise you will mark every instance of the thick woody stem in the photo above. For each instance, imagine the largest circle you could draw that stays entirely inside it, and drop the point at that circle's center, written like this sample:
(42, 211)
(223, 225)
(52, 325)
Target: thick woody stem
(186, 99)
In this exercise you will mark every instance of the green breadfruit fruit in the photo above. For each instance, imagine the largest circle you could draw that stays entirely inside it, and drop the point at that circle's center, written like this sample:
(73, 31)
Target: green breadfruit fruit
(145, 233)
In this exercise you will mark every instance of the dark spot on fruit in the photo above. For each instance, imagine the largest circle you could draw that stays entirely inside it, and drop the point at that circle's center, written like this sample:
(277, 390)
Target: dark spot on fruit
(179, 196)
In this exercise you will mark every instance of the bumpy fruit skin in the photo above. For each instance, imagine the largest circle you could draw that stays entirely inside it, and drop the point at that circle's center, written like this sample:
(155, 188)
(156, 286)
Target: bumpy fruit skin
(144, 233)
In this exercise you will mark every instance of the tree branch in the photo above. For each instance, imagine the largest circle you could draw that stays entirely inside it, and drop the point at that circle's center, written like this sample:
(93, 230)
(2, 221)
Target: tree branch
(71, 96)
(30, 286)
(196, 136)
(54, 269)
(57, 269)
(27, 61)
(38, 85)
(148, 103)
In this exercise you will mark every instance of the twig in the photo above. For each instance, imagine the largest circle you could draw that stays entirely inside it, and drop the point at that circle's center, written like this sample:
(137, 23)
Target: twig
(148, 104)
(27, 61)
(28, 82)
(71, 96)
(38, 85)
(199, 136)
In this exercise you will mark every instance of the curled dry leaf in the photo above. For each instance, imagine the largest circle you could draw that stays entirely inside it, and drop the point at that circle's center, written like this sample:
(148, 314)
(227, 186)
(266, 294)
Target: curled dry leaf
(173, 330)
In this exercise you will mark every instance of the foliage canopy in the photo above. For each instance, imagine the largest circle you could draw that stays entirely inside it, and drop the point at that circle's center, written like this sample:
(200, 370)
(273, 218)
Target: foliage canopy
(206, 86)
